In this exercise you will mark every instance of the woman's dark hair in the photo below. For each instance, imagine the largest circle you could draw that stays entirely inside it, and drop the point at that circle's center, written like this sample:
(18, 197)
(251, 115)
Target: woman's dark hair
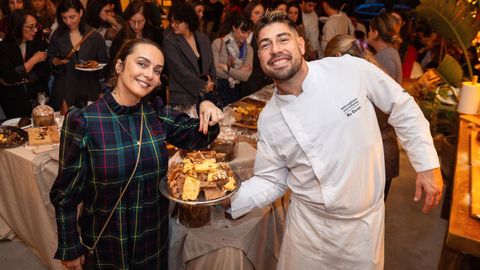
(63, 7)
(247, 11)
(184, 13)
(92, 16)
(241, 22)
(6, 9)
(385, 24)
(297, 6)
(127, 48)
(15, 24)
(278, 3)
(133, 8)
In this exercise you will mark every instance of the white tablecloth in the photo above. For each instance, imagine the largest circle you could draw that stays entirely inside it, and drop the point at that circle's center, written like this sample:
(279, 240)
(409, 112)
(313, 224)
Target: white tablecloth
(25, 181)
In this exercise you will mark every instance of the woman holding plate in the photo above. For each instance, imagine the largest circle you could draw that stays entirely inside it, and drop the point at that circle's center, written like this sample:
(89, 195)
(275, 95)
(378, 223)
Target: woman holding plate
(73, 43)
(113, 157)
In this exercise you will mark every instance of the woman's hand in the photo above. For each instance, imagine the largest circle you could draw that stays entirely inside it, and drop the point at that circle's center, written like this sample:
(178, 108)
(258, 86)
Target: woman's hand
(57, 61)
(39, 57)
(210, 86)
(429, 80)
(76, 264)
(222, 67)
(209, 115)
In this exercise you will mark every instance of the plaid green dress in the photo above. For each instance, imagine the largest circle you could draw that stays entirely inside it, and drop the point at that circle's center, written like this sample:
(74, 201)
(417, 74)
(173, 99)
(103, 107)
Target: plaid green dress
(97, 157)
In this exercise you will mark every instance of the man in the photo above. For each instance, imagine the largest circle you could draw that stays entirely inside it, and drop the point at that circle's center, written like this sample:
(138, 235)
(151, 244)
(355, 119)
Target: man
(338, 23)
(319, 137)
(310, 22)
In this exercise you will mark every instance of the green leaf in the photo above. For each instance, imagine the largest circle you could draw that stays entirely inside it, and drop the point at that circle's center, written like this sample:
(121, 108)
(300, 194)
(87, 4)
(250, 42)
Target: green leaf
(450, 70)
(452, 20)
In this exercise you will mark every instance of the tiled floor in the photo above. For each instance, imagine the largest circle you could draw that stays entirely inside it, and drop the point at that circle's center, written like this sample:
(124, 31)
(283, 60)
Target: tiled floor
(413, 240)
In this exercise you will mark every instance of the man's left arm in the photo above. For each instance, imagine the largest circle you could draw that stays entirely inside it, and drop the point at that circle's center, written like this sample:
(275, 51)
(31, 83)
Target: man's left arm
(413, 132)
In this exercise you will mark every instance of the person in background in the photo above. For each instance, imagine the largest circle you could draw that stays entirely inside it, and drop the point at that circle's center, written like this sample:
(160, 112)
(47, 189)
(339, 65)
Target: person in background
(254, 11)
(310, 22)
(199, 10)
(8, 6)
(100, 15)
(188, 52)
(233, 58)
(280, 5)
(121, 137)
(294, 12)
(45, 12)
(213, 15)
(338, 23)
(75, 42)
(23, 70)
(319, 137)
(137, 25)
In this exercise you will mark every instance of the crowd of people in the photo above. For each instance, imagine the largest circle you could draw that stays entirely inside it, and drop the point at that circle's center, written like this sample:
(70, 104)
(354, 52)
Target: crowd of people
(167, 82)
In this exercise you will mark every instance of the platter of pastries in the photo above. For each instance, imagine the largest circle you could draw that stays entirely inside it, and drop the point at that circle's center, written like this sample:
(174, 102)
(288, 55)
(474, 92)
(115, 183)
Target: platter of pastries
(90, 65)
(247, 112)
(200, 178)
(12, 137)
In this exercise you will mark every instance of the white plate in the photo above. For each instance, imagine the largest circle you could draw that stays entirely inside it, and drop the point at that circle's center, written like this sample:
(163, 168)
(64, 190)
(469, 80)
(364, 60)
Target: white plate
(451, 98)
(14, 123)
(100, 66)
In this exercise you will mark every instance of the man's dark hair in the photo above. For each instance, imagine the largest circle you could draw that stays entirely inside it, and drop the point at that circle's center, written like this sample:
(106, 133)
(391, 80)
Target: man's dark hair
(274, 16)
(335, 4)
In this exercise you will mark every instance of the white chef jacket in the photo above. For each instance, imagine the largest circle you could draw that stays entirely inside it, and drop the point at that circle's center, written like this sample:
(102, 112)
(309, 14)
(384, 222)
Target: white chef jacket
(325, 145)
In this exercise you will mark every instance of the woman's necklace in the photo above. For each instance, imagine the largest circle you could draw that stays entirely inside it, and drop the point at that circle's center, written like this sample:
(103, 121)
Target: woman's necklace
(139, 141)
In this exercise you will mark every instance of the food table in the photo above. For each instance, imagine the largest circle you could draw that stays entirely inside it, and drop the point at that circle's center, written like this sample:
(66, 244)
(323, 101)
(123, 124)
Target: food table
(25, 181)
(463, 230)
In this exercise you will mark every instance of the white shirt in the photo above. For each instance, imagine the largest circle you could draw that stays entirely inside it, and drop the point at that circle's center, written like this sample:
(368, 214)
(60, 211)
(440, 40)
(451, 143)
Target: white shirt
(337, 24)
(325, 145)
(310, 22)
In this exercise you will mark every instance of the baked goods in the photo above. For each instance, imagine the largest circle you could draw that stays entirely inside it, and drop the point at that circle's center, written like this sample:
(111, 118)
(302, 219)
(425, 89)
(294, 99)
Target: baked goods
(11, 137)
(23, 122)
(90, 64)
(225, 142)
(200, 171)
(247, 115)
(43, 116)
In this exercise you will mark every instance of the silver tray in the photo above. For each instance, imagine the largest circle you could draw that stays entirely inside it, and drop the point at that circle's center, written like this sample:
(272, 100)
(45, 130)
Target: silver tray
(201, 197)
(22, 136)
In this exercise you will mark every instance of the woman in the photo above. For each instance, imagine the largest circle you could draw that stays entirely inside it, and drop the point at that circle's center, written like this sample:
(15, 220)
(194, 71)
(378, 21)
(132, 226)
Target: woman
(233, 58)
(119, 137)
(137, 25)
(8, 6)
(101, 16)
(188, 52)
(199, 10)
(72, 43)
(295, 15)
(44, 11)
(23, 70)
(254, 11)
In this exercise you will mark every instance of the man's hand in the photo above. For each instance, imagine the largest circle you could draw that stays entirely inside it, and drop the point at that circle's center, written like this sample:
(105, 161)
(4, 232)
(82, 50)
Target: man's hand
(431, 183)
(75, 264)
(210, 115)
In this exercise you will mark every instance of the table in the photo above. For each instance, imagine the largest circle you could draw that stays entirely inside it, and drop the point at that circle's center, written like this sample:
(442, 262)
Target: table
(463, 230)
(25, 181)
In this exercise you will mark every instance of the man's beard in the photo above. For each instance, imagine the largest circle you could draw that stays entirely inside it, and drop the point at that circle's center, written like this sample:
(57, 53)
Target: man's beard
(284, 74)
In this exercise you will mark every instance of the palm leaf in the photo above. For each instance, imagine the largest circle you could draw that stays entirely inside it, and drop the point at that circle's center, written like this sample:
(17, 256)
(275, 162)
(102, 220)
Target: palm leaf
(450, 70)
(451, 19)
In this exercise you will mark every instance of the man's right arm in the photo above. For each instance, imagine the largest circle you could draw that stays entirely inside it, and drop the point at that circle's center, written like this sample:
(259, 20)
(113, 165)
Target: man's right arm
(267, 185)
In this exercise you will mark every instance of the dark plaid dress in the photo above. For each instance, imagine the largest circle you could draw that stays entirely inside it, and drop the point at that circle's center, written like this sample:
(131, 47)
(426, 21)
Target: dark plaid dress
(96, 159)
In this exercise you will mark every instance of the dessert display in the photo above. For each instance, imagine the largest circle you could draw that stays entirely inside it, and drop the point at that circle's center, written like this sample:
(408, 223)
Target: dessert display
(201, 173)
(23, 122)
(247, 115)
(42, 116)
(43, 135)
(90, 64)
(225, 142)
(12, 137)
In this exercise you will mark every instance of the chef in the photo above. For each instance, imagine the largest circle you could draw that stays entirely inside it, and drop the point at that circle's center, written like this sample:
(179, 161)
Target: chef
(319, 137)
